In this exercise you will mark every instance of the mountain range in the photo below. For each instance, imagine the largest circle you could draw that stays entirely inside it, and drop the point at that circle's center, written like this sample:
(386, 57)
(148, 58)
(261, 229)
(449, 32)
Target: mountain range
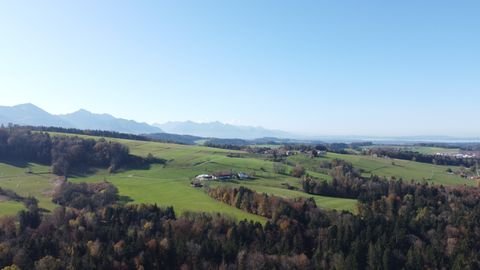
(221, 130)
(29, 114)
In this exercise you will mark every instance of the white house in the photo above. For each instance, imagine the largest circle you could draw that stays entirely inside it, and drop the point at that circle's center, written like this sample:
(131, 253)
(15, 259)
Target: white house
(204, 177)
(243, 176)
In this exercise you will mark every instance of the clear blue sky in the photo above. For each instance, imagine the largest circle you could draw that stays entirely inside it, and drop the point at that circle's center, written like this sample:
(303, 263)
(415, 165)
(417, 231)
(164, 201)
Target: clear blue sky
(311, 67)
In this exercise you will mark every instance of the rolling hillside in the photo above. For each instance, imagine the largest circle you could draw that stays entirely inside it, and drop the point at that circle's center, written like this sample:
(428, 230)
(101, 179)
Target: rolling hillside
(168, 184)
(397, 168)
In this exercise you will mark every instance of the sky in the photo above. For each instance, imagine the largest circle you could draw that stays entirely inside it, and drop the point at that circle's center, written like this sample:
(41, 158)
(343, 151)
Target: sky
(375, 68)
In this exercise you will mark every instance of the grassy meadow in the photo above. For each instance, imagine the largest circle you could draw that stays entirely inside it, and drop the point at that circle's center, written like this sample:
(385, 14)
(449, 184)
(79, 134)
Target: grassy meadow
(10, 208)
(427, 150)
(405, 169)
(433, 150)
(28, 180)
(169, 184)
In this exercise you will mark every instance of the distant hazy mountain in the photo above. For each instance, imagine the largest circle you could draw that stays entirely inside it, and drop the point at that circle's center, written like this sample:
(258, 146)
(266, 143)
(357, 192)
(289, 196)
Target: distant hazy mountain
(83, 119)
(175, 138)
(4, 119)
(29, 114)
(220, 130)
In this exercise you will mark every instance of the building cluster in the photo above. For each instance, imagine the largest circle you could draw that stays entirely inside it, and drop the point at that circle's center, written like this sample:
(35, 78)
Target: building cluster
(459, 155)
(220, 176)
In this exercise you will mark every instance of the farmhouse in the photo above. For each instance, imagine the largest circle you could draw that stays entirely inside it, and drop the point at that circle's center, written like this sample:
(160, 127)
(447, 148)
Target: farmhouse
(226, 175)
(243, 176)
(204, 177)
(289, 153)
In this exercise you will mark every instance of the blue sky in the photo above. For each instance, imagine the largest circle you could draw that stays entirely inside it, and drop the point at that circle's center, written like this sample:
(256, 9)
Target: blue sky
(310, 67)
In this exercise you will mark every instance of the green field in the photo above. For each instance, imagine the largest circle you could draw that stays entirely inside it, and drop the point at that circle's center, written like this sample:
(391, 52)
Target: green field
(169, 184)
(421, 149)
(404, 169)
(29, 180)
(165, 187)
(434, 150)
(10, 208)
(273, 146)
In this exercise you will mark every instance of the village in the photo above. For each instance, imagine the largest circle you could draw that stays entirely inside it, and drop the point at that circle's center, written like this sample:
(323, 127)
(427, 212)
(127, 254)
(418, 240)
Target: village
(469, 154)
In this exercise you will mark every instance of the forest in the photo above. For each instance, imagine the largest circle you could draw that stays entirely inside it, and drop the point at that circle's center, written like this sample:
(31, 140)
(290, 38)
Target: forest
(101, 133)
(66, 153)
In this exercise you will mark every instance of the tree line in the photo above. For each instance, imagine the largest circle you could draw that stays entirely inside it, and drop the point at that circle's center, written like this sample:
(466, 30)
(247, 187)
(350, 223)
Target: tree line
(65, 153)
(154, 137)
(347, 182)
(466, 146)
(423, 158)
(413, 226)
(89, 132)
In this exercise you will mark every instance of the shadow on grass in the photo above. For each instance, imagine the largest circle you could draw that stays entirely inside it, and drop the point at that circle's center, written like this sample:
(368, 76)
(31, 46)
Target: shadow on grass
(398, 165)
(16, 163)
(134, 163)
(376, 169)
(123, 199)
(139, 163)
(138, 166)
(82, 172)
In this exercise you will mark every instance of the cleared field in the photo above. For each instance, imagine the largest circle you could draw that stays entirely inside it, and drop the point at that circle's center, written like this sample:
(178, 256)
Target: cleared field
(29, 179)
(273, 146)
(168, 184)
(434, 150)
(404, 169)
(421, 149)
(165, 187)
(10, 208)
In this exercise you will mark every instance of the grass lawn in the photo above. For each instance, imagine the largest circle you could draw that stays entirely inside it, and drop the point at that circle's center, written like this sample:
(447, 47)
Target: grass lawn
(405, 169)
(166, 187)
(421, 149)
(38, 183)
(169, 184)
(185, 161)
(10, 208)
(434, 150)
